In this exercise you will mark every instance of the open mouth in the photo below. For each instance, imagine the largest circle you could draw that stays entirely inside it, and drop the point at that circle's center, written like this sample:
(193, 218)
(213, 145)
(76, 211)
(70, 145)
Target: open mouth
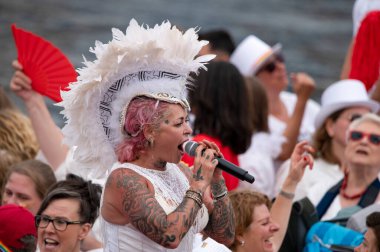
(362, 152)
(50, 243)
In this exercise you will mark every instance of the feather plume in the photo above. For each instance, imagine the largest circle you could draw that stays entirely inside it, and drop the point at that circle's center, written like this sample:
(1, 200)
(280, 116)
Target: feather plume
(93, 105)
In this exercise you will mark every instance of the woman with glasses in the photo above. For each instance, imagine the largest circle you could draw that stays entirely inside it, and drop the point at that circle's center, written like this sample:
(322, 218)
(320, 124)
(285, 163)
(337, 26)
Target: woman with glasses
(67, 214)
(342, 102)
(360, 184)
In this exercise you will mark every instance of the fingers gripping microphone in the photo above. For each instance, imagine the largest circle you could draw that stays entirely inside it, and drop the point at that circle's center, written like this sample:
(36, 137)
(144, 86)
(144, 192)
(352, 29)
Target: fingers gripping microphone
(190, 146)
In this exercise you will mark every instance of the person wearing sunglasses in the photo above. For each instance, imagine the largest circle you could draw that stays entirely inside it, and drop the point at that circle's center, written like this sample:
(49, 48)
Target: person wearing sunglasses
(291, 115)
(67, 214)
(360, 184)
(341, 103)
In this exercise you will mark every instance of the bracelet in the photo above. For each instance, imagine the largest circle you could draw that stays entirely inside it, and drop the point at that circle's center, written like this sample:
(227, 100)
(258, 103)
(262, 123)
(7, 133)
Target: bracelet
(287, 194)
(220, 196)
(196, 196)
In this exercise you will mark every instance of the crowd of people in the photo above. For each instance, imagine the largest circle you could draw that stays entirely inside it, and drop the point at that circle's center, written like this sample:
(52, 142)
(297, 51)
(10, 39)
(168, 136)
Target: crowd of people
(117, 177)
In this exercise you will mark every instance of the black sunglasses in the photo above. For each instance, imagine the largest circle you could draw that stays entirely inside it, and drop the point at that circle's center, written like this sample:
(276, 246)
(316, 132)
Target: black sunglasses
(271, 66)
(358, 135)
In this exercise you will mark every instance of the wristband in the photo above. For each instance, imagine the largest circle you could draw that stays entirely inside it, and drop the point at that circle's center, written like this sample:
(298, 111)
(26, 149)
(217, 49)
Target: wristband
(287, 194)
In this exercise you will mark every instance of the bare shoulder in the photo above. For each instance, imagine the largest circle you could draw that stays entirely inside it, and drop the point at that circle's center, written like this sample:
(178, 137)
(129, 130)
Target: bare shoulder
(124, 179)
(187, 170)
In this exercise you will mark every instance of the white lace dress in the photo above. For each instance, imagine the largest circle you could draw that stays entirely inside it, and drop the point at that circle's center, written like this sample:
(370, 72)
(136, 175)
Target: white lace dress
(170, 187)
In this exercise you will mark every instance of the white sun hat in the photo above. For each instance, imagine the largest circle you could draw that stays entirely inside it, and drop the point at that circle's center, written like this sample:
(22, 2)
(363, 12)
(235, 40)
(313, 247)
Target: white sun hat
(251, 54)
(153, 62)
(344, 94)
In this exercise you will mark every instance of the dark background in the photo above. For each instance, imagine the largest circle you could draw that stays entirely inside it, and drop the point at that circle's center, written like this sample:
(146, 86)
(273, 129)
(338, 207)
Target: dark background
(314, 34)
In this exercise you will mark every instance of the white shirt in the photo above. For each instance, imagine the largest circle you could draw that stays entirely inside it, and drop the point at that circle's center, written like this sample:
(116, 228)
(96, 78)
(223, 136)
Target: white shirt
(307, 129)
(328, 174)
(258, 161)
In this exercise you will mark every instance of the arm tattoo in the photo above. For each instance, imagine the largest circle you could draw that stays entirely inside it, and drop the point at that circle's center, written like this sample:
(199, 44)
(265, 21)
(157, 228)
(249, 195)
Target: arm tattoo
(218, 188)
(198, 175)
(221, 226)
(144, 212)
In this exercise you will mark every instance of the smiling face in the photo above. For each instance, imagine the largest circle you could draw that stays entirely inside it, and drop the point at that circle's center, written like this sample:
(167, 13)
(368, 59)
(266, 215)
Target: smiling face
(20, 190)
(172, 133)
(258, 236)
(52, 240)
(362, 152)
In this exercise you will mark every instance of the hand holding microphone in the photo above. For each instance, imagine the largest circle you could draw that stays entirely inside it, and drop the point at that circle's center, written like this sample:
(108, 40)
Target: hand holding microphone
(190, 146)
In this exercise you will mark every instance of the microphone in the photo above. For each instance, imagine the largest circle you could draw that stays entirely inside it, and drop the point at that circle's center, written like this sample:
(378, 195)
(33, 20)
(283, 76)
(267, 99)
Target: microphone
(190, 146)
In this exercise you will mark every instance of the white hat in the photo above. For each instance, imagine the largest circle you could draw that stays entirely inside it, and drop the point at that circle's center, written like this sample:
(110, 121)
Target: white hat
(153, 62)
(251, 54)
(343, 94)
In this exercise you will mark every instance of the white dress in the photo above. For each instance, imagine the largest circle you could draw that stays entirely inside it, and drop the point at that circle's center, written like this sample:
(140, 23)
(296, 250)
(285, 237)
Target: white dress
(258, 160)
(322, 176)
(307, 129)
(170, 187)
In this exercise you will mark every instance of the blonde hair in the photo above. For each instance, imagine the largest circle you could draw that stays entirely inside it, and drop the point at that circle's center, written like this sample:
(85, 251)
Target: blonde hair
(17, 135)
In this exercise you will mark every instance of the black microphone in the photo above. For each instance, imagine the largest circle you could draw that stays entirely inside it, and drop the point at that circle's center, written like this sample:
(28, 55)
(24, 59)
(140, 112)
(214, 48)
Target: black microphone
(190, 146)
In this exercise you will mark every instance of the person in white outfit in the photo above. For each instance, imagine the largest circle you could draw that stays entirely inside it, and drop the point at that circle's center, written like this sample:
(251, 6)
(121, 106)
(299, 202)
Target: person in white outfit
(128, 116)
(290, 115)
(265, 147)
(342, 102)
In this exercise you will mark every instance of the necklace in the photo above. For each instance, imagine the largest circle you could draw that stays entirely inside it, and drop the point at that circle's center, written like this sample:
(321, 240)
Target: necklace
(343, 190)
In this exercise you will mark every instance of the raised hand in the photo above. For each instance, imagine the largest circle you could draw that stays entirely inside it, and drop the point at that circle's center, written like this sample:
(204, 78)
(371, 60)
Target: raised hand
(303, 84)
(21, 84)
(300, 159)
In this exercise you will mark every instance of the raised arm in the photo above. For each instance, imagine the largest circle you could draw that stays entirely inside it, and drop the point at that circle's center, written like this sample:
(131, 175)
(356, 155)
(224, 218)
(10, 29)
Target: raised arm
(303, 86)
(134, 197)
(280, 211)
(48, 134)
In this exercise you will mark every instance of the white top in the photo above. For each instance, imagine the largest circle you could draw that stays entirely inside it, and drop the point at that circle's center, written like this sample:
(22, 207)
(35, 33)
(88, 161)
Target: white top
(277, 127)
(307, 129)
(328, 174)
(170, 187)
(258, 161)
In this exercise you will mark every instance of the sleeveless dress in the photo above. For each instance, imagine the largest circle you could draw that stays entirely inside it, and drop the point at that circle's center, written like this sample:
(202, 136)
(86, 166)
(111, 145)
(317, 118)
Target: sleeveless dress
(170, 187)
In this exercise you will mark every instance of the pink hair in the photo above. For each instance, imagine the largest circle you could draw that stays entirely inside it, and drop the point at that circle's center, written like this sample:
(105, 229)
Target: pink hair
(142, 111)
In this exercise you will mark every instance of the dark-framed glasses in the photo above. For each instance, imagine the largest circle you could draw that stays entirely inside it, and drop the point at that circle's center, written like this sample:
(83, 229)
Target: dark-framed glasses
(42, 221)
(356, 135)
(271, 66)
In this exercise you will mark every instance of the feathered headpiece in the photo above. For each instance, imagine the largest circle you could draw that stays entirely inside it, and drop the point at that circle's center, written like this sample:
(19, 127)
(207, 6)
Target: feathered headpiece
(154, 62)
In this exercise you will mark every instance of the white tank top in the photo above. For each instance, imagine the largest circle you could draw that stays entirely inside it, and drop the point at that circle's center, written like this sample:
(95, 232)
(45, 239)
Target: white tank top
(170, 187)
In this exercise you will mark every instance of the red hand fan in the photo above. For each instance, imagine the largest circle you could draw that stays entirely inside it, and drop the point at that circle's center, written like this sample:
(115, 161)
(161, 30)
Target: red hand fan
(48, 68)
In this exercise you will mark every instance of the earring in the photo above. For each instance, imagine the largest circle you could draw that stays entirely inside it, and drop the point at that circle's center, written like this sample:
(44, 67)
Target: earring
(151, 141)
(242, 243)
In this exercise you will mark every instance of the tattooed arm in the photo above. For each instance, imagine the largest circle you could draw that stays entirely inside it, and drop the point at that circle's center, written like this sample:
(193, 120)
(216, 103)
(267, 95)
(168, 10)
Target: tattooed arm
(221, 226)
(136, 202)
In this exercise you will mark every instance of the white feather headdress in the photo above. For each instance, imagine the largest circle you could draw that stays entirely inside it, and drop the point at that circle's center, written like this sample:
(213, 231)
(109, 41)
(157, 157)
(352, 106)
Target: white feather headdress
(154, 62)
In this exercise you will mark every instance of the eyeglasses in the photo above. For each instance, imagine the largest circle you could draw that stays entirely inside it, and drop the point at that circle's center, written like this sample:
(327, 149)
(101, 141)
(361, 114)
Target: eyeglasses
(358, 135)
(271, 66)
(42, 221)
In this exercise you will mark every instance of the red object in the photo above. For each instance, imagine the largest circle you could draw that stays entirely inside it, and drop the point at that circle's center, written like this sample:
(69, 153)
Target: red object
(231, 181)
(365, 61)
(343, 190)
(17, 224)
(48, 68)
